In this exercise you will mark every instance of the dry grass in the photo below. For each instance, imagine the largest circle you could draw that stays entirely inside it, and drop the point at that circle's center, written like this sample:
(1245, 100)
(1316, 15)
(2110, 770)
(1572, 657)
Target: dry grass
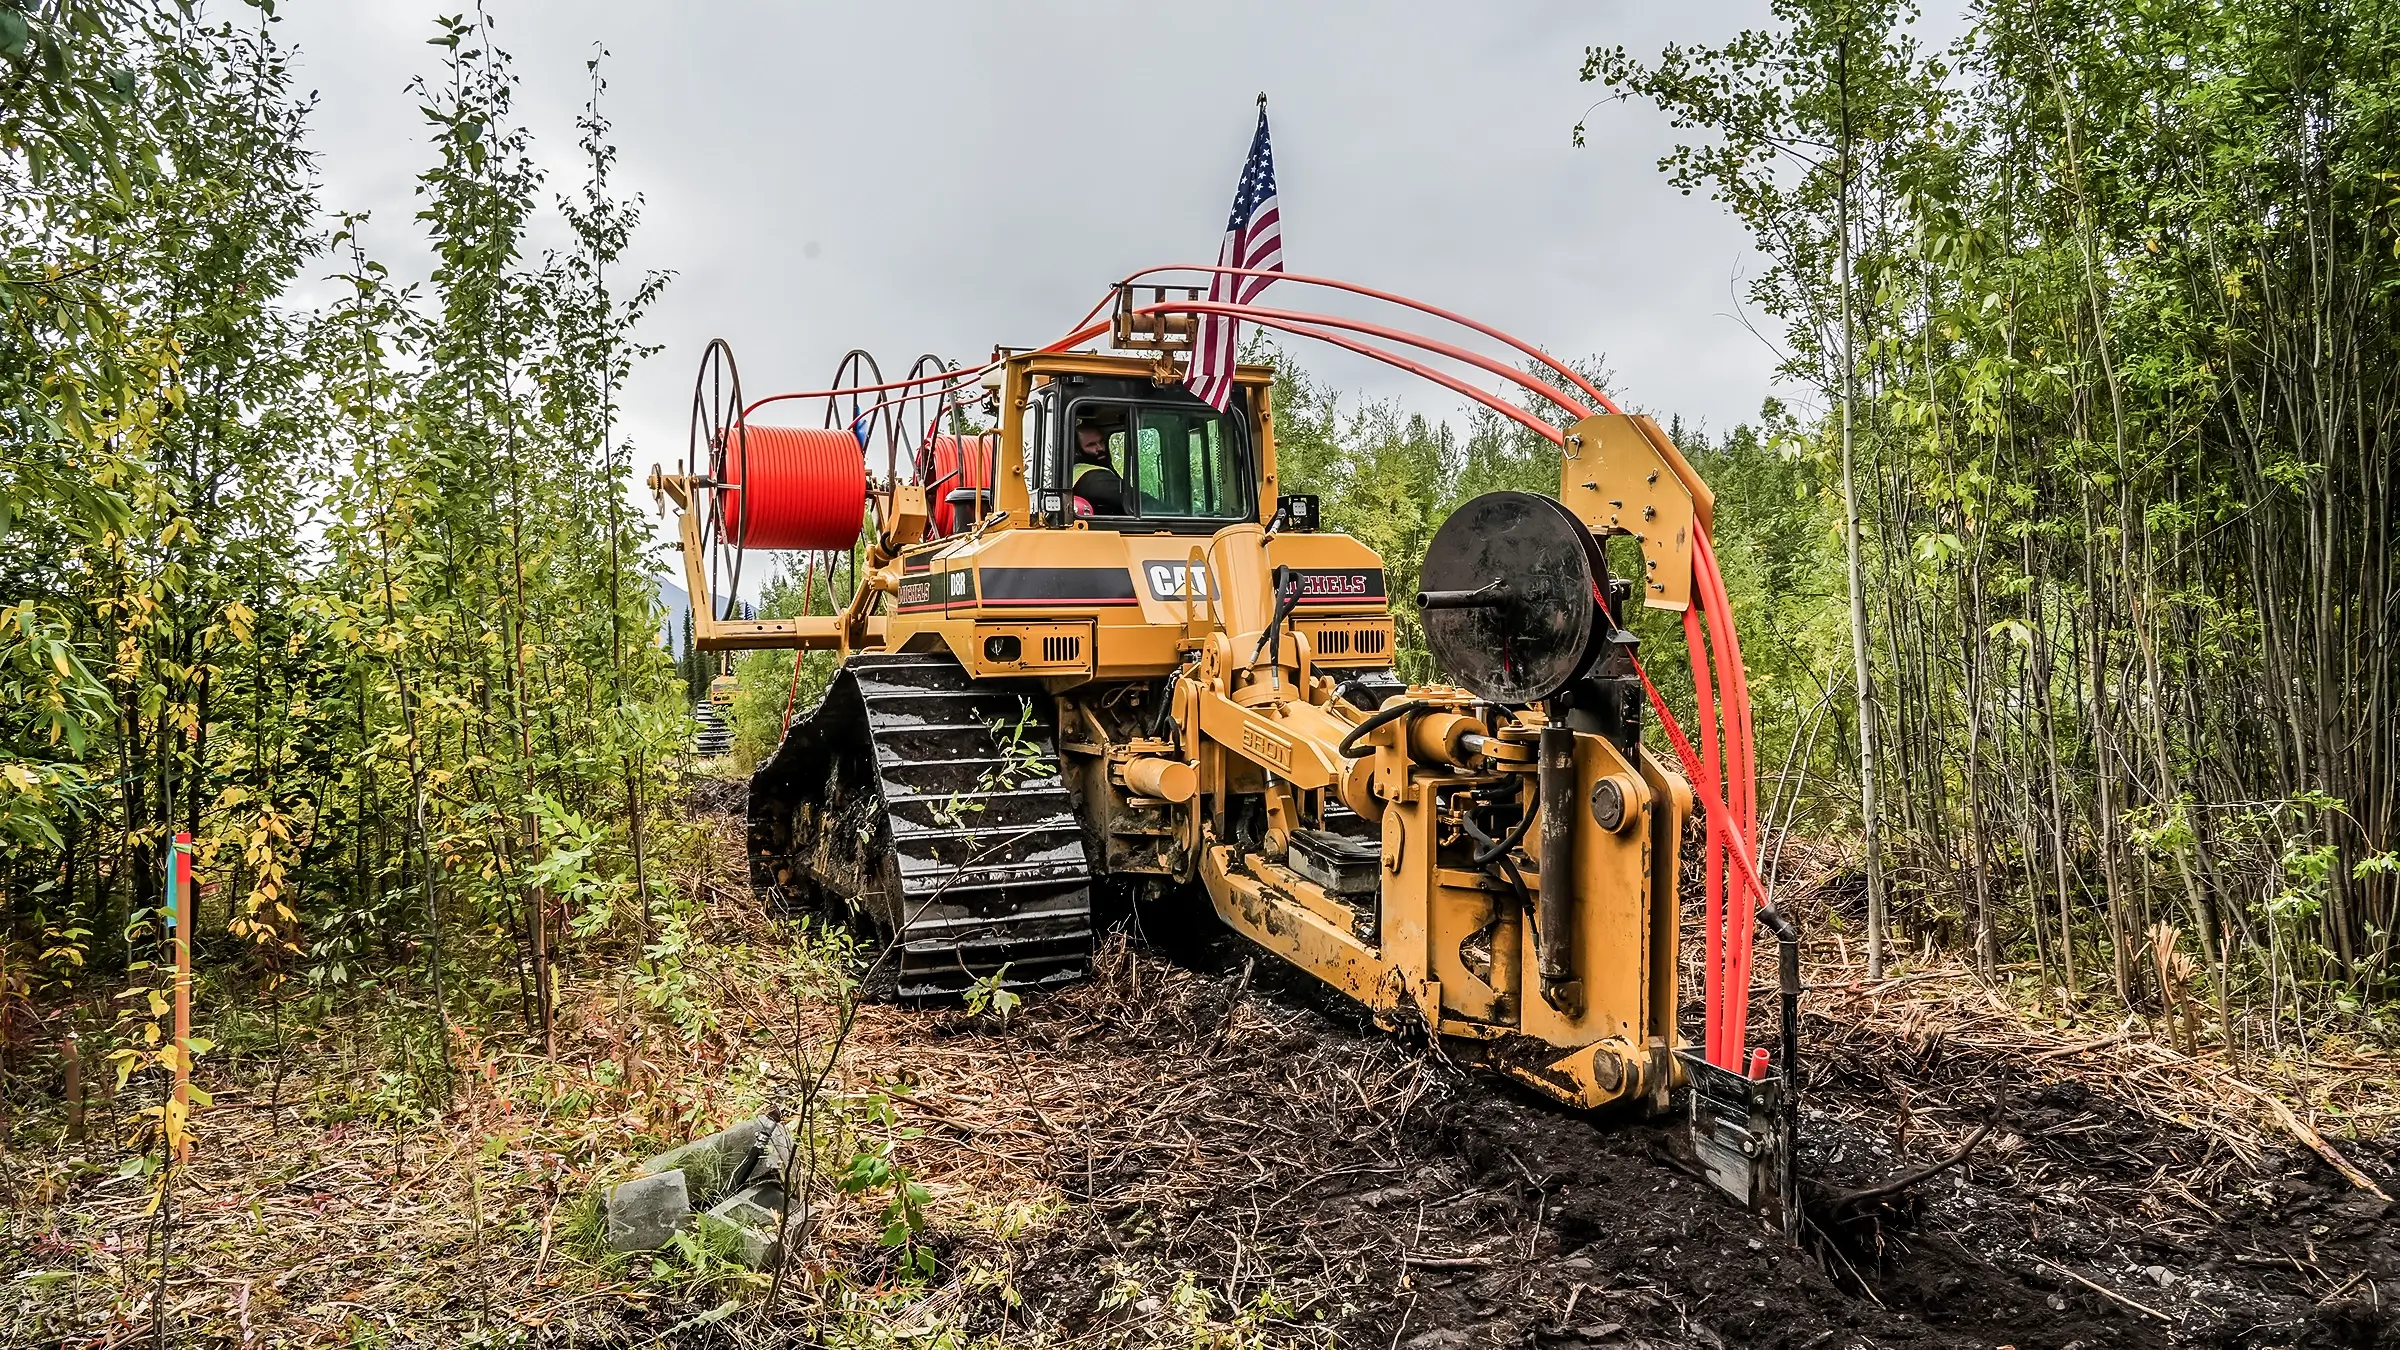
(344, 1216)
(1931, 1004)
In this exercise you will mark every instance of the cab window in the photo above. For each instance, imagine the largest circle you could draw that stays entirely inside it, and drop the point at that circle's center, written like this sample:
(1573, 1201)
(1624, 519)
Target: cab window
(1167, 462)
(1185, 464)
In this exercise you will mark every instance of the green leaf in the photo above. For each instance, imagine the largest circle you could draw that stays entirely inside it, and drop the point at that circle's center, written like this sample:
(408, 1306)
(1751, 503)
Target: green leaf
(13, 31)
(121, 84)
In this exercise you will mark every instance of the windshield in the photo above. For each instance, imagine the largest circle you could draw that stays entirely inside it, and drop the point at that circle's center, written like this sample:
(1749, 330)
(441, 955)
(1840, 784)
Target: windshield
(1170, 462)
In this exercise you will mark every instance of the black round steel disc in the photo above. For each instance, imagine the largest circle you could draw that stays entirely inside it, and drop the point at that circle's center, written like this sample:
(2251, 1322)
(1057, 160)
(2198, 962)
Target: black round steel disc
(1537, 568)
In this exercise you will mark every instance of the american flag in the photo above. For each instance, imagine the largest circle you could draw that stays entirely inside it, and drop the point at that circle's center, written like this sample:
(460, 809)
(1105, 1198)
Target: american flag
(1253, 238)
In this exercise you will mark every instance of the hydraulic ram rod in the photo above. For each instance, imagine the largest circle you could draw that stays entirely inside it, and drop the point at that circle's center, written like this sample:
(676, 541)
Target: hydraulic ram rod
(1554, 908)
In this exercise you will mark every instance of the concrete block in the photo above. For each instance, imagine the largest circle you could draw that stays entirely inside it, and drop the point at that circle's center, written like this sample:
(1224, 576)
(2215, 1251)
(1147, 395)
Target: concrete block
(768, 1159)
(644, 1213)
(708, 1163)
(748, 1218)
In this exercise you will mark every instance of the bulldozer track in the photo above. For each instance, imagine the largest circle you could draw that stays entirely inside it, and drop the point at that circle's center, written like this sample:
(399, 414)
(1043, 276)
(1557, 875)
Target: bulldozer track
(933, 806)
(711, 736)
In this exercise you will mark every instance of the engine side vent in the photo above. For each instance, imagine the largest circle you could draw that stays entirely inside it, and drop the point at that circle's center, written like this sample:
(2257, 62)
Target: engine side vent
(1357, 642)
(1031, 649)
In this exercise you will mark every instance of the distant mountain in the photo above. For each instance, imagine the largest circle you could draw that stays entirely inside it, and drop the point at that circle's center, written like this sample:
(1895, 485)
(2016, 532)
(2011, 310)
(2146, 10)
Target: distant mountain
(677, 604)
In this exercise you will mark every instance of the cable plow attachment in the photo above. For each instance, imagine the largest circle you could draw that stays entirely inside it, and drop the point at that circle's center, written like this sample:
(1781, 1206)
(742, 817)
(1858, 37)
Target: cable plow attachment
(1620, 475)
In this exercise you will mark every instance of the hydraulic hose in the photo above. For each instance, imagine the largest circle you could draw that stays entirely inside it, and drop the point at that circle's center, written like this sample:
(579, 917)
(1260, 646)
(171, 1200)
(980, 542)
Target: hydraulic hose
(1382, 717)
(1490, 848)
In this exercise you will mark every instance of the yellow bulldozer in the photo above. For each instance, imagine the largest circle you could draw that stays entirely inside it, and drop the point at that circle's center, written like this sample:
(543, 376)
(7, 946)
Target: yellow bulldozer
(1099, 648)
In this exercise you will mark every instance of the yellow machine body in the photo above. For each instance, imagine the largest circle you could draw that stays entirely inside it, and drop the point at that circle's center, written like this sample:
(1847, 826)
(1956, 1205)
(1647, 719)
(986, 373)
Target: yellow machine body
(1245, 760)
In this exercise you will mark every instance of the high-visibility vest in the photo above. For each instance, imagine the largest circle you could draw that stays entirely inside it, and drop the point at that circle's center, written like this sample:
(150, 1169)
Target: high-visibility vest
(1083, 467)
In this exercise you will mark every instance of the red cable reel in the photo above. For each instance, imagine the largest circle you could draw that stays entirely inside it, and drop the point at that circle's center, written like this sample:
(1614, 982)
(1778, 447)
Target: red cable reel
(766, 487)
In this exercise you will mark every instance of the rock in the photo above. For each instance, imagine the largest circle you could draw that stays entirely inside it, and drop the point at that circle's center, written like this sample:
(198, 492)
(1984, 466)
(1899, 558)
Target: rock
(2160, 1276)
(743, 1163)
(767, 1158)
(747, 1221)
(644, 1213)
(708, 1163)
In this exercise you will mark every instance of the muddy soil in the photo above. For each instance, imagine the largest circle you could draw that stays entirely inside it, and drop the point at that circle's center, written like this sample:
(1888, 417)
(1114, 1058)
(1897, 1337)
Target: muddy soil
(1401, 1201)
(1200, 1111)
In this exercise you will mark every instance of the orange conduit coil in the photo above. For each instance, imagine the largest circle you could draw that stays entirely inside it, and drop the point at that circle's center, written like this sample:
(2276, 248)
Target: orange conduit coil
(793, 488)
(954, 470)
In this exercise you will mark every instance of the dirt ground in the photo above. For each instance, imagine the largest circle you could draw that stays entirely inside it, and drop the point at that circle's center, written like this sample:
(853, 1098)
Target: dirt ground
(1209, 1152)
(1272, 1145)
(1218, 1117)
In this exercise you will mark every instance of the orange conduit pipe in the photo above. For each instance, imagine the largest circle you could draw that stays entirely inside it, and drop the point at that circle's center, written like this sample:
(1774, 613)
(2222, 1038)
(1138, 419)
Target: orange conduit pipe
(1456, 353)
(1301, 279)
(792, 698)
(1726, 777)
(962, 379)
(793, 488)
(958, 462)
(1733, 692)
(1266, 319)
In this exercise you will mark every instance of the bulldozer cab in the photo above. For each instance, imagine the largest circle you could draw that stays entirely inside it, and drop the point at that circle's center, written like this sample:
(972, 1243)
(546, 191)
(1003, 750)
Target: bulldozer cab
(1144, 459)
(1103, 444)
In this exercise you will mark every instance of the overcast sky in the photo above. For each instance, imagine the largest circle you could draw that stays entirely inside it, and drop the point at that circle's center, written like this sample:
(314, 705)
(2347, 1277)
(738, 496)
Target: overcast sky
(911, 177)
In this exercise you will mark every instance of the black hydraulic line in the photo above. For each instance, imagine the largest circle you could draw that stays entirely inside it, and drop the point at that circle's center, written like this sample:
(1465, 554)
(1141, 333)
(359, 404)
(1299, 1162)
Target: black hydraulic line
(1349, 748)
(1787, 985)
(1166, 703)
(1494, 860)
(1507, 868)
(1491, 848)
(1287, 599)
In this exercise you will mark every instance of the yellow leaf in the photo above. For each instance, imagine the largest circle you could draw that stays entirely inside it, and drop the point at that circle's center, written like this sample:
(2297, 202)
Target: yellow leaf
(158, 1003)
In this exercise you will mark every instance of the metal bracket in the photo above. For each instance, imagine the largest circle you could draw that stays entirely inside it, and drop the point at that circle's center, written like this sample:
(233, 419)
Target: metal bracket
(1621, 475)
(1743, 1138)
(1164, 334)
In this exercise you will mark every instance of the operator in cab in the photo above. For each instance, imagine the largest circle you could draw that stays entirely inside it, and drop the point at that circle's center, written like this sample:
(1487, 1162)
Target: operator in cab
(1098, 489)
